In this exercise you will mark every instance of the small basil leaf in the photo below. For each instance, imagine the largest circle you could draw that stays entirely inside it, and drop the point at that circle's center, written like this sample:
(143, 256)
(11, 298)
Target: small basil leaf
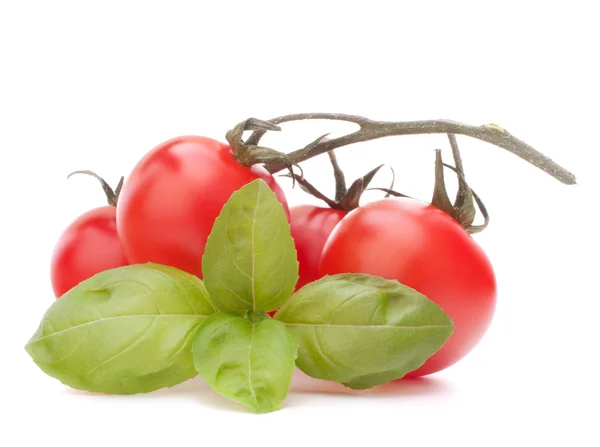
(248, 360)
(250, 260)
(123, 331)
(363, 330)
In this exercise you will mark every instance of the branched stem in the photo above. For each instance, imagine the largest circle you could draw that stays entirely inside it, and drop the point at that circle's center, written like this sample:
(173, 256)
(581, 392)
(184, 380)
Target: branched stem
(371, 130)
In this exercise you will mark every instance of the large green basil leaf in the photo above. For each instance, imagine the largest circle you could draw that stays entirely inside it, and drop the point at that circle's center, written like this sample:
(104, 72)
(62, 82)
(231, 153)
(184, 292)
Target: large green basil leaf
(123, 331)
(248, 360)
(250, 260)
(363, 330)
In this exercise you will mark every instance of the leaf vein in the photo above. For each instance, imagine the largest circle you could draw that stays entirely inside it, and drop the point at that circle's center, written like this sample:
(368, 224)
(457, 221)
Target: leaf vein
(117, 318)
(250, 362)
(183, 344)
(254, 248)
(176, 284)
(357, 326)
(232, 291)
(272, 240)
(322, 351)
(131, 345)
(76, 348)
(240, 270)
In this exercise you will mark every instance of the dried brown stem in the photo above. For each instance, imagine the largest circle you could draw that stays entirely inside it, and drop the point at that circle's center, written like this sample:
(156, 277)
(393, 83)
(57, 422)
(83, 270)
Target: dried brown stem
(340, 178)
(371, 130)
(112, 196)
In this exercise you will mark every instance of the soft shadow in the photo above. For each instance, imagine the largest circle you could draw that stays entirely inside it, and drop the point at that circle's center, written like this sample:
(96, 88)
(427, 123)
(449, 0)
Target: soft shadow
(199, 390)
(189, 387)
(195, 389)
(211, 398)
(75, 392)
(406, 387)
(302, 385)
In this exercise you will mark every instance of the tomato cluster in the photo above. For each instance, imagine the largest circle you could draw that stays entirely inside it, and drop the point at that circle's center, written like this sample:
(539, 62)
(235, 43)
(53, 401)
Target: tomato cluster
(169, 202)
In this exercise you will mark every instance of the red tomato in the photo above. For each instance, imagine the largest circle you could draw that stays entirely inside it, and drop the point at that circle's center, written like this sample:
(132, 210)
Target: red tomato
(311, 226)
(426, 249)
(88, 246)
(171, 199)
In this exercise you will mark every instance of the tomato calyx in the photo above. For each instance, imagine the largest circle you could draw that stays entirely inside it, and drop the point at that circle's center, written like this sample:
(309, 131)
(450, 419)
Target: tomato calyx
(340, 178)
(463, 209)
(480, 205)
(112, 195)
(251, 154)
(346, 199)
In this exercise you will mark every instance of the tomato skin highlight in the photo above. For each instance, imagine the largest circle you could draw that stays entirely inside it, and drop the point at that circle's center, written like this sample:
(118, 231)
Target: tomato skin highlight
(169, 202)
(426, 249)
(311, 226)
(88, 246)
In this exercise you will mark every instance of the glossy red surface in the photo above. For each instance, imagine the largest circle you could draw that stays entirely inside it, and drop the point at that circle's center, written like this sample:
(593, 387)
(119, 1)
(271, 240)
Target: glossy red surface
(311, 226)
(423, 248)
(88, 246)
(172, 197)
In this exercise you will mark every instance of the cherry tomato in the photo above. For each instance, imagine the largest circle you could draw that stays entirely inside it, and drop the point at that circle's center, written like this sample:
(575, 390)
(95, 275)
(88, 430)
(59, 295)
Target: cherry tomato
(311, 226)
(426, 249)
(88, 246)
(172, 197)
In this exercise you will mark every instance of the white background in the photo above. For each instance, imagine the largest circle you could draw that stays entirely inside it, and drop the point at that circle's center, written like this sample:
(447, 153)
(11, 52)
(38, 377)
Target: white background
(95, 85)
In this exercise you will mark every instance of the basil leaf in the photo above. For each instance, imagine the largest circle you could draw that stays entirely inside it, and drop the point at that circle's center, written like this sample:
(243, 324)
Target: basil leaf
(250, 258)
(123, 331)
(363, 330)
(249, 361)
